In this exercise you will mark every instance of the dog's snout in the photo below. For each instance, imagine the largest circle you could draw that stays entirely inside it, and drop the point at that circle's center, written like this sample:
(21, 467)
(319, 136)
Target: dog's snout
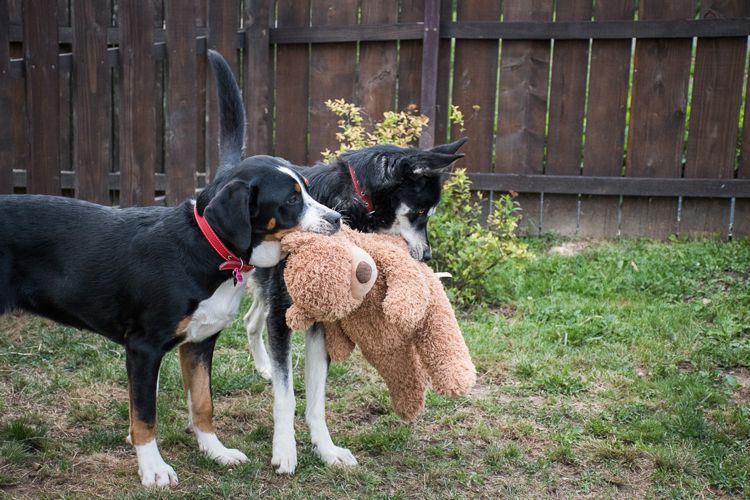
(334, 219)
(427, 255)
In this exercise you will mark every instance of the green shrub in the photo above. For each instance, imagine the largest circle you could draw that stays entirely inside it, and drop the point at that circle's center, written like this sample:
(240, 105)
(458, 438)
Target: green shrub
(471, 251)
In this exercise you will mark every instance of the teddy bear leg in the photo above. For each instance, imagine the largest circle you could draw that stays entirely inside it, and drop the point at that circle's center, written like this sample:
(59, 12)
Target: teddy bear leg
(406, 381)
(255, 325)
(316, 373)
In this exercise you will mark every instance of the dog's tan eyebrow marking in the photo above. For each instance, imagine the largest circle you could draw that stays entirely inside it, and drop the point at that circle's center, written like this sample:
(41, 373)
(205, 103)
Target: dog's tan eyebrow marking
(271, 223)
(297, 187)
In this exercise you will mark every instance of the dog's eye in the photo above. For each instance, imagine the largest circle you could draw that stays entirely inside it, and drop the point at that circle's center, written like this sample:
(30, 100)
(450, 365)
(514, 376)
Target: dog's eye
(292, 200)
(421, 212)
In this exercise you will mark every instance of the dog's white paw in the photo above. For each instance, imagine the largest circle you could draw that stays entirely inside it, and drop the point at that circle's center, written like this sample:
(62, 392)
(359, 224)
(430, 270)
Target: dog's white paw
(152, 469)
(227, 456)
(284, 457)
(209, 444)
(334, 455)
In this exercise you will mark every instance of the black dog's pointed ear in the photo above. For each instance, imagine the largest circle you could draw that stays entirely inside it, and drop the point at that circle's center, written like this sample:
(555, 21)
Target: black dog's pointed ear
(449, 148)
(435, 163)
(230, 214)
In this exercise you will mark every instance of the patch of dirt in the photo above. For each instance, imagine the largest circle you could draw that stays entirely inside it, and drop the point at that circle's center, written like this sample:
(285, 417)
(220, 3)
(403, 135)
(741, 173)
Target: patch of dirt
(741, 394)
(569, 248)
(505, 310)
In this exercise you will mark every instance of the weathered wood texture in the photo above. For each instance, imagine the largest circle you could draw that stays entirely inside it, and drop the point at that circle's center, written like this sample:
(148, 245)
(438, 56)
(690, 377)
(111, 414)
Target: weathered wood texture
(138, 116)
(181, 154)
(657, 122)
(566, 109)
(715, 111)
(111, 103)
(6, 97)
(332, 73)
(522, 108)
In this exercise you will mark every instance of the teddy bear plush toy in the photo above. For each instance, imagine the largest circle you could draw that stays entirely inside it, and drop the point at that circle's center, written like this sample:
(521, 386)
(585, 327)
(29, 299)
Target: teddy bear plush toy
(393, 307)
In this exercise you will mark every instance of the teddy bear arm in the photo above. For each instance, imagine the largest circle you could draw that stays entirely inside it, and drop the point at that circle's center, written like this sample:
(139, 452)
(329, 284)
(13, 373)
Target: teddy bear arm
(339, 346)
(297, 318)
(407, 296)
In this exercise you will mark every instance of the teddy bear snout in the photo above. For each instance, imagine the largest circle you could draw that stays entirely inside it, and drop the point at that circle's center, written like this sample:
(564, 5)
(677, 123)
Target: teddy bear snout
(364, 272)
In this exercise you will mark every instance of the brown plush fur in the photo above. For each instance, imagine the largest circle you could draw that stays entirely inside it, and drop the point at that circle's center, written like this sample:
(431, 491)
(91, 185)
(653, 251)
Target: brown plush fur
(405, 326)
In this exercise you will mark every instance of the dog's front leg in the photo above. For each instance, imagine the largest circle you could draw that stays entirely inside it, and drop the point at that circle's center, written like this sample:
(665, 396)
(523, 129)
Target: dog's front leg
(316, 373)
(280, 343)
(195, 362)
(143, 362)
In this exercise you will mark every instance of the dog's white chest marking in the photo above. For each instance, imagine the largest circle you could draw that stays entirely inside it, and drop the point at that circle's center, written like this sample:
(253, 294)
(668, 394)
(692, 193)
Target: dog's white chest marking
(216, 312)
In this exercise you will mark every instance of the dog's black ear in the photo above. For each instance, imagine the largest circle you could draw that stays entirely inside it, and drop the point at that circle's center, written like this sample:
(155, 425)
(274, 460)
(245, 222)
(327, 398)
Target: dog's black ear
(432, 163)
(230, 213)
(451, 148)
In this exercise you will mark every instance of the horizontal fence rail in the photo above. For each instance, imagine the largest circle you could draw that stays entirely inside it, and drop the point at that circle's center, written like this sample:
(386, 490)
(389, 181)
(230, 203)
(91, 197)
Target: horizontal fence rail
(609, 118)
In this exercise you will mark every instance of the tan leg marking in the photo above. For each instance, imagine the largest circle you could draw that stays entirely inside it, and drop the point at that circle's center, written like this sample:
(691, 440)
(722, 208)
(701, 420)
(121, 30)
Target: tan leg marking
(271, 223)
(140, 432)
(196, 380)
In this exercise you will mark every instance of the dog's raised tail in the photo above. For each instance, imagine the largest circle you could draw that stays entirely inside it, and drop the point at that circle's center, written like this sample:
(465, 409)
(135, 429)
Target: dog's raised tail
(231, 112)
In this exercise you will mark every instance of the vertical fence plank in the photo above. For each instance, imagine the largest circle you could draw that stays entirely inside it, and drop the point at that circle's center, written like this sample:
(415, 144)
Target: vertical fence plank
(19, 114)
(138, 118)
(332, 73)
(474, 86)
(201, 21)
(522, 109)
(292, 85)
(741, 227)
(445, 62)
(257, 76)
(714, 119)
(376, 85)
(430, 70)
(410, 56)
(223, 23)
(92, 101)
(6, 129)
(65, 86)
(181, 158)
(42, 94)
(657, 121)
(566, 109)
(159, 93)
(605, 122)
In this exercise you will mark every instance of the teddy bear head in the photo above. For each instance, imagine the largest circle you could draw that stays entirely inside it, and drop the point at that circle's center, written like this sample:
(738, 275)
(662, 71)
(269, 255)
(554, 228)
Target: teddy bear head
(327, 277)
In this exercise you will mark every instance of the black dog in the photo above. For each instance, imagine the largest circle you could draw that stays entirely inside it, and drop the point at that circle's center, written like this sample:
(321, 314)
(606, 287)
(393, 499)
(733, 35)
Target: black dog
(155, 278)
(384, 189)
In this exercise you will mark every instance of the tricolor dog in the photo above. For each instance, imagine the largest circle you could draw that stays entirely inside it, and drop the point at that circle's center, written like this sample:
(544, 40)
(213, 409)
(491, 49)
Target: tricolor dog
(153, 279)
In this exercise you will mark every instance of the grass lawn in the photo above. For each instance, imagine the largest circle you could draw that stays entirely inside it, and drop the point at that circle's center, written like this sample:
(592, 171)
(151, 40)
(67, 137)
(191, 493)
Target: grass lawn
(620, 370)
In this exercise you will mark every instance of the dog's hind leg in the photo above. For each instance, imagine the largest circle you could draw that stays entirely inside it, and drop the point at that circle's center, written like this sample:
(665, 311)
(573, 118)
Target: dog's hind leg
(195, 362)
(316, 372)
(143, 361)
(255, 325)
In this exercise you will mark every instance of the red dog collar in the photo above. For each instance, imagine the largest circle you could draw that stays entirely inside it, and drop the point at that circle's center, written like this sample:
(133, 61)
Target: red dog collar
(231, 261)
(366, 198)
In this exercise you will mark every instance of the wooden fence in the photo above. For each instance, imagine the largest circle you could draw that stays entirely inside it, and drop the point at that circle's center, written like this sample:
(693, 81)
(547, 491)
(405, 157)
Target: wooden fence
(609, 118)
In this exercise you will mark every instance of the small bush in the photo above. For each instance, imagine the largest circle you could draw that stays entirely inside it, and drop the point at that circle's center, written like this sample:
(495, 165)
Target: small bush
(471, 251)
